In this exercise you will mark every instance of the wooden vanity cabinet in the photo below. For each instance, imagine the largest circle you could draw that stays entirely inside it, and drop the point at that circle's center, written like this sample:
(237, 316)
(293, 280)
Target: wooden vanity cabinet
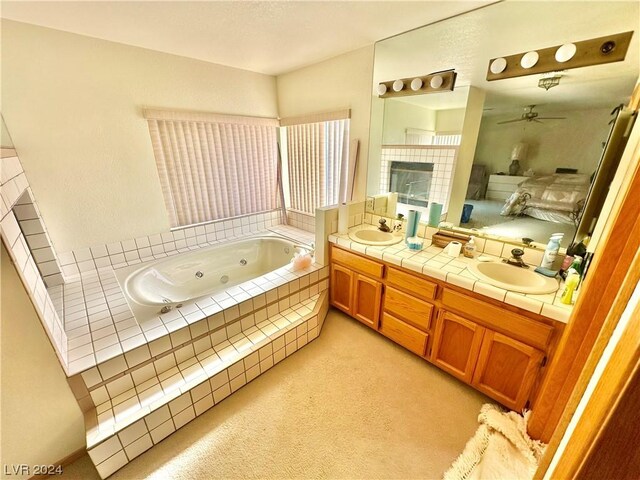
(367, 296)
(353, 292)
(506, 369)
(497, 349)
(456, 344)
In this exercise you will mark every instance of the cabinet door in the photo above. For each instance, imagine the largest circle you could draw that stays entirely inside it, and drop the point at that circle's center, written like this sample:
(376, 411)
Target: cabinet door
(341, 287)
(456, 345)
(367, 299)
(506, 369)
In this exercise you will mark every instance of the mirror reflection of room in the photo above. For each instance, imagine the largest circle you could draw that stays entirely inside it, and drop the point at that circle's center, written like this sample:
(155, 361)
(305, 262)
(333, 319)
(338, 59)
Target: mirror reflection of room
(526, 157)
(533, 165)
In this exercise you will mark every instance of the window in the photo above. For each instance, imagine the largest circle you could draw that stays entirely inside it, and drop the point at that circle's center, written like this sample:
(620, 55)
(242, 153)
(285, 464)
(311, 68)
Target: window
(319, 169)
(214, 166)
(414, 136)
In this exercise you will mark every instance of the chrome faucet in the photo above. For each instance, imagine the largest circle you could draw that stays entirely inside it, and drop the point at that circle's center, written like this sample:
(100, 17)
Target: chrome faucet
(516, 258)
(383, 227)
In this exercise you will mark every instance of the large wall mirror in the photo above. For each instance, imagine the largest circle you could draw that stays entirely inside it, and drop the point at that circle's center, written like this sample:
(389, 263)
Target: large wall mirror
(507, 158)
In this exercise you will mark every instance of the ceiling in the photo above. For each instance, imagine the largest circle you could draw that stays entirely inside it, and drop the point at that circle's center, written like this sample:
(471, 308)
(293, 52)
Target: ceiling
(270, 37)
(513, 27)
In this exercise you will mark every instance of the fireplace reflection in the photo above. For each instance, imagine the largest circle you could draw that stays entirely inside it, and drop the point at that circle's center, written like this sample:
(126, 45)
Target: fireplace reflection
(412, 182)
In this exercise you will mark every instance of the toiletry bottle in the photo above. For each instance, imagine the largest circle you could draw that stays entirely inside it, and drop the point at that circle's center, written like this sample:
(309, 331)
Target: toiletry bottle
(575, 267)
(469, 250)
(569, 287)
(551, 251)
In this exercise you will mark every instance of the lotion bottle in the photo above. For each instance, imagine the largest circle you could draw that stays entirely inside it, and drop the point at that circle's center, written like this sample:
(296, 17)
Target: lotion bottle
(551, 251)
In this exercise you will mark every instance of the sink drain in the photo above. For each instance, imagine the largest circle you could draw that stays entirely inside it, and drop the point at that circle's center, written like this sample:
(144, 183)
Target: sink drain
(224, 278)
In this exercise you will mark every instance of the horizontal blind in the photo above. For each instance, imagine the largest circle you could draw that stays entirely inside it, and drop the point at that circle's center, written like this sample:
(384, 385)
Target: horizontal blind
(210, 168)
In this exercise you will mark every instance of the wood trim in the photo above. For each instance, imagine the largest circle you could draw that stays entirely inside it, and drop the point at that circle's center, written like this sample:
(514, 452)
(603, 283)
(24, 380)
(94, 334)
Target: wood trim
(68, 460)
(632, 279)
(604, 282)
(618, 384)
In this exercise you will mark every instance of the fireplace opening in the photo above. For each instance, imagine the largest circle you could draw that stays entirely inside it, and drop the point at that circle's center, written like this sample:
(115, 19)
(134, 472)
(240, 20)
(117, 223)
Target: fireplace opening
(412, 182)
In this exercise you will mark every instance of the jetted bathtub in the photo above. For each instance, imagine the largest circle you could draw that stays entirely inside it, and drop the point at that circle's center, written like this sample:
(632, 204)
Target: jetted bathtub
(161, 285)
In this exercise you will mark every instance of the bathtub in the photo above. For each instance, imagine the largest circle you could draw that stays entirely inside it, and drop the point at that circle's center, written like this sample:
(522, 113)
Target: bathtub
(161, 285)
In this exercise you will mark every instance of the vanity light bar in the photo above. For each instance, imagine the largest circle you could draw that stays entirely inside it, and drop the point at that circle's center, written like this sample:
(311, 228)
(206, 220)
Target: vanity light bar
(432, 83)
(596, 51)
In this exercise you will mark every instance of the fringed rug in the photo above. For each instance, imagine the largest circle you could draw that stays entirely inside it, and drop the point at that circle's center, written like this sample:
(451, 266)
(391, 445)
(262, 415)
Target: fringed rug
(500, 449)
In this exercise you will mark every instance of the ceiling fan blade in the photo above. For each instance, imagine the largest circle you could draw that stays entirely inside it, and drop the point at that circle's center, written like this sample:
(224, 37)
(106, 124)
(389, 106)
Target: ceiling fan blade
(511, 121)
(552, 118)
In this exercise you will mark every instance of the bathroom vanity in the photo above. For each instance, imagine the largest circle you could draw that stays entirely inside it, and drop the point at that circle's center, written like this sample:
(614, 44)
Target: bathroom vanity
(498, 348)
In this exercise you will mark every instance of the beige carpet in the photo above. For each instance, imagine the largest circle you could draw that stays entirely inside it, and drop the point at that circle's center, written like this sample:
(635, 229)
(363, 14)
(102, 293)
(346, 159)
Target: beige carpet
(351, 404)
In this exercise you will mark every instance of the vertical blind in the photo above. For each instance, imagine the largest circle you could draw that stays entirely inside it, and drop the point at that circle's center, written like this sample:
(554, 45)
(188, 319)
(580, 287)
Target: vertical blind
(214, 166)
(318, 161)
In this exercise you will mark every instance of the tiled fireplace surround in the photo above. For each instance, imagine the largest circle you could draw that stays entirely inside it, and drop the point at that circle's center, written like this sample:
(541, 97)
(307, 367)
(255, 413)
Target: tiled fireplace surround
(137, 383)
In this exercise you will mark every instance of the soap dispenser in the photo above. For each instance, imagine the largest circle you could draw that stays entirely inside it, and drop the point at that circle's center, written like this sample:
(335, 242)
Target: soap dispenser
(469, 249)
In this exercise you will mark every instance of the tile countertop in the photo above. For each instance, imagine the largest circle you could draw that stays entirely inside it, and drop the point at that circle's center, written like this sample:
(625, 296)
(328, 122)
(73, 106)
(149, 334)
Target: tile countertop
(432, 261)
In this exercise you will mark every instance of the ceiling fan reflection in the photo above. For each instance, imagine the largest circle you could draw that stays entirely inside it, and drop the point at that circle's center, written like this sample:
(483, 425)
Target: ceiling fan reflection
(530, 116)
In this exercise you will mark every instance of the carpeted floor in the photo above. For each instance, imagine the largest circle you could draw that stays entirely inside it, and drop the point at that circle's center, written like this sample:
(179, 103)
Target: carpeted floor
(351, 404)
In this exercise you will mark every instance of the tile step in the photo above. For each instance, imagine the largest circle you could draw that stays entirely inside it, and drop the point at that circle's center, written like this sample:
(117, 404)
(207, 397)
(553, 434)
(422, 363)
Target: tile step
(143, 407)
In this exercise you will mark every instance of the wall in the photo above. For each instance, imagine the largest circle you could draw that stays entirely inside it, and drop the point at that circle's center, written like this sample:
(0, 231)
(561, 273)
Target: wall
(340, 82)
(41, 421)
(464, 162)
(575, 142)
(5, 138)
(73, 107)
(450, 120)
(399, 115)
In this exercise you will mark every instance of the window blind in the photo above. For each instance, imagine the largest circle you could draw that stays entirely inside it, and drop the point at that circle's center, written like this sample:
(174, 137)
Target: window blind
(318, 161)
(214, 166)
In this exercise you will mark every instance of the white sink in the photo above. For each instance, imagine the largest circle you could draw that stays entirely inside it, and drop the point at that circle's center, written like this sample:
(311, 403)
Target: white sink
(516, 279)
(375, 237)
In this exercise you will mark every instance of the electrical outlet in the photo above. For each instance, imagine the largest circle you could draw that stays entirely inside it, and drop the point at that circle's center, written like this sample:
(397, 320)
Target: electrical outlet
(369, 204)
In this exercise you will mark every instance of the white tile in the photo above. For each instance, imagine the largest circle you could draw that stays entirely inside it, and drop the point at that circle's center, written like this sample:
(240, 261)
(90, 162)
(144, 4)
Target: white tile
(132, 432)
(489, 291)
(138, 447)
(523, 302)
(112, 367)
(112, 464)
(162, 431)
(184, 417)
(91, 377)
(180, 403)
(460, 281)
(154, 419)
(555, 312)
(105, 450)
(493, 247)
(137, 356)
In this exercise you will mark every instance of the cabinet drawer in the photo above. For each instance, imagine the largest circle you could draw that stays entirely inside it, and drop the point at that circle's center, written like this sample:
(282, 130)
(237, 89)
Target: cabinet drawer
(414, 311)
(356, 262)
(404, 334)
(516, 326)
(412, 283)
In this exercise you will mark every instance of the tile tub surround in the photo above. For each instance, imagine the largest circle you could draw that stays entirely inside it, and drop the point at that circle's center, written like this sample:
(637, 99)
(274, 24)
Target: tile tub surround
(26, 255)
(101, 326)
(142, 249)
(142, 407)
(432, 261)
